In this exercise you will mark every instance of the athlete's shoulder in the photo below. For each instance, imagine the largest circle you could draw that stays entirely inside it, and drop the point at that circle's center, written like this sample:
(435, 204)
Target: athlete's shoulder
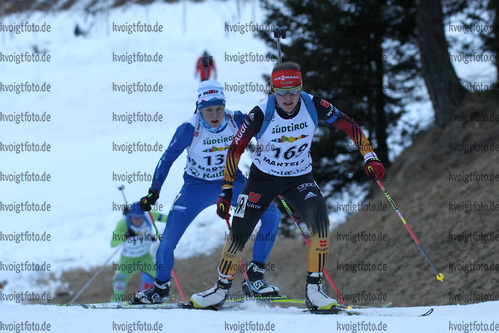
(262, 106)
(318, 101)
(309, 100)
(325, 110)
(192, 120)
(309, 95)
(237, 116)
(185, 129)
(121, 222)
(183, 135)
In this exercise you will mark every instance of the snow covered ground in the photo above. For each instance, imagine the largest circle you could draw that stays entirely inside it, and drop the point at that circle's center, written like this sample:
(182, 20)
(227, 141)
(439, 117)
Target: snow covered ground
(79, 175)
(470, 318)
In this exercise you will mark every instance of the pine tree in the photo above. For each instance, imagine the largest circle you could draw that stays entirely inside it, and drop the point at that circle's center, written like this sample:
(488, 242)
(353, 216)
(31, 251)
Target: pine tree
(360, 55)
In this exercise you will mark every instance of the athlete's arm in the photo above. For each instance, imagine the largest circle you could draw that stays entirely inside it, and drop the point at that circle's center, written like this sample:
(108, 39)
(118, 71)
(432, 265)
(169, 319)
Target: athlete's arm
(336, 118)
(119, 233)
(157, 216)
(181, 140)
(239, 118)
(249, 128)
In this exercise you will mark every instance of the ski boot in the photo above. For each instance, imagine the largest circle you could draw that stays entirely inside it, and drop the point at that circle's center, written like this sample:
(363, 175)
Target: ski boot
(157, 294)
(258, 286)
(213, 298)
(316, 298)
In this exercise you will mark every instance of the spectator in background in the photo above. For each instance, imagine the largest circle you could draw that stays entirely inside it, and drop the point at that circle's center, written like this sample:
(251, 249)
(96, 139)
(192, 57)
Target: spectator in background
(205, 74)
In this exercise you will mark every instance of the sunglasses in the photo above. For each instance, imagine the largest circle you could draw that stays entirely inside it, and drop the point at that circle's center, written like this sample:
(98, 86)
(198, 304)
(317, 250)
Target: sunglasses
(284, 91)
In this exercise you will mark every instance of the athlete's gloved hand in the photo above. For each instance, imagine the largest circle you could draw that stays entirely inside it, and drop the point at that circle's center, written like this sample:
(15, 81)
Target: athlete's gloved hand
(130, 233)
(374, 169)
(126, 210)
(223, 203)
(150, 199)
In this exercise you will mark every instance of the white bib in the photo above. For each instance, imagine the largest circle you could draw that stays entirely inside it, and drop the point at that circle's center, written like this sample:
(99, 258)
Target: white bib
(139, 244)
(206, 154)
(284, 148)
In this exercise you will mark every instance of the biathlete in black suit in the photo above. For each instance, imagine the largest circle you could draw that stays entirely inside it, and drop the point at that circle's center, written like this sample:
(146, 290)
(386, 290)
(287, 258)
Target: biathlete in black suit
(284, 126)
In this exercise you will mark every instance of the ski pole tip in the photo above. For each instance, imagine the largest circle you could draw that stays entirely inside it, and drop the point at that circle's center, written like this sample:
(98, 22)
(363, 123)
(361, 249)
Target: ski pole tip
(440, 277)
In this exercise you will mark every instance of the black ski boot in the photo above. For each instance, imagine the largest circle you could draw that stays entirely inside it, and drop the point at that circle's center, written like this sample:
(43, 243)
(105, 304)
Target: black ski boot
(157, 294)
(258, 285)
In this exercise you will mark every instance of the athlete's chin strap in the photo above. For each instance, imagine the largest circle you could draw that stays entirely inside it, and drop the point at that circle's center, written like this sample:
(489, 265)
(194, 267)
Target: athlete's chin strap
(211, 129)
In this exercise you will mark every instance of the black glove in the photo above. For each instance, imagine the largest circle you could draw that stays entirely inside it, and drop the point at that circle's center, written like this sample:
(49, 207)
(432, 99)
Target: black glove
(130, 233)
(150, 199)
(223, 203)
(126, 210)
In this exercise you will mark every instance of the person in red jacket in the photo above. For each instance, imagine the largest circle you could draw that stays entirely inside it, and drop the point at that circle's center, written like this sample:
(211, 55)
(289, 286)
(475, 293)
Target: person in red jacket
(201, 70)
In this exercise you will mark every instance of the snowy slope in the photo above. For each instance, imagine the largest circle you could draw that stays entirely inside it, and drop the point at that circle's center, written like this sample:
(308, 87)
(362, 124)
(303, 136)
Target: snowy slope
(82, 191)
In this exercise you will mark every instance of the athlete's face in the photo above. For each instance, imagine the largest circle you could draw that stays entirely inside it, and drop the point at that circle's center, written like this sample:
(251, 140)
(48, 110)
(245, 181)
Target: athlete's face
(213, 115)
(288, 102)
(137, 221)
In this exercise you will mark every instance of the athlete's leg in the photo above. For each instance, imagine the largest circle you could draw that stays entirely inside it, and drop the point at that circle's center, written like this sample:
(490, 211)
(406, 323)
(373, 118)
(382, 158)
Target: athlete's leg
(147, 281)
(148, 272)
(270, 219)
(122, 277)
(264, 241)
(251, 204)
(192, 199)
(256, 196)
(306, 198)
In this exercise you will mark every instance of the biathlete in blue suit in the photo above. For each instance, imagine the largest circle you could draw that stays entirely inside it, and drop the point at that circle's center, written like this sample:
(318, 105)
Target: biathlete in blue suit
(206, 135)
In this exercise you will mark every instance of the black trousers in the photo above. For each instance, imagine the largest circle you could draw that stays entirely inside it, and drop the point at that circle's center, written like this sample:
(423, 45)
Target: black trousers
(301, 192)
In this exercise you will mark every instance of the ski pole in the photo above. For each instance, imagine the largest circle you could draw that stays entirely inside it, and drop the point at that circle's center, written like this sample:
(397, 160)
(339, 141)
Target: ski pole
(121, 188)
(173, 271)
(245, 273)
(94, 276)
(440, 276)
(308, 244)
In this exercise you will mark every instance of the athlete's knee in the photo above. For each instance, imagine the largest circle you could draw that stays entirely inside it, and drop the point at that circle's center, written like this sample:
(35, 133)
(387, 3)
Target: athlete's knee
(168, 243)
(238, 240)
(317, 219)
(170, 247)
